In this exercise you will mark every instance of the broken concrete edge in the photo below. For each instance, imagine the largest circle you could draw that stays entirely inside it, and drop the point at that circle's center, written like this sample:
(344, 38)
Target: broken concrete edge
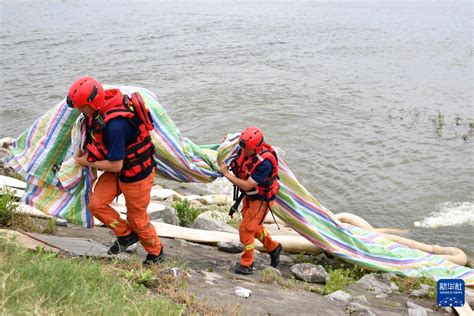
(26, 241)
(39, 241)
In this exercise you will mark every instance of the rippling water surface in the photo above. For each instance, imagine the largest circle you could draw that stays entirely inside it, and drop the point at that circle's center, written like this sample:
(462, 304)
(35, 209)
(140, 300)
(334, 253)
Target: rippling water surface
(370, 102)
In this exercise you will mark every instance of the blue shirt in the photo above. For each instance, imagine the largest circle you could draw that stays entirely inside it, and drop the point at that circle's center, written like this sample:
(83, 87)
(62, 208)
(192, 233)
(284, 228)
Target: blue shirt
(263, 171)
(119, 133)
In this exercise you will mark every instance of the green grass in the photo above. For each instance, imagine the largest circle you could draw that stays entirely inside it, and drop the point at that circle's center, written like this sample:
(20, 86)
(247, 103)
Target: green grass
(8, 207)
(15, 175)
(186, 213)
(39, 282)
(10, 172)
(302, 257)
(235, 220)
(408, 284)
(51, 227)
(340, 278)
(11, 218)
(289, 283)
(269, 275)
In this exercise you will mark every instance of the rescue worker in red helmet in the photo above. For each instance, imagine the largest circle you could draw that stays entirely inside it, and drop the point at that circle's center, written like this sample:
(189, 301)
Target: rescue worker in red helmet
(119, 143)
(256, 174)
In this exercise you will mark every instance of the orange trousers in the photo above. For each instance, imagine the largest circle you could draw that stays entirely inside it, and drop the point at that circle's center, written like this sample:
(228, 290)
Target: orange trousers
(251, 227)
(137, 198)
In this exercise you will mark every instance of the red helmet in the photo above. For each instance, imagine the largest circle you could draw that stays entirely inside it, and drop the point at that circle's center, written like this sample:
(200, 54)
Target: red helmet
(86, 91)
(251, 138)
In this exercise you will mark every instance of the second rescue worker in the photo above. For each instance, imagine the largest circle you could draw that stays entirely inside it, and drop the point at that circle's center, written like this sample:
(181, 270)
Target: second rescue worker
(256, 174)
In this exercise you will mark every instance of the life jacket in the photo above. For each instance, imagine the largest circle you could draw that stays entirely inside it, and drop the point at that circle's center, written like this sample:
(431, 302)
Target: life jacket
(244, 166)
(139, 154)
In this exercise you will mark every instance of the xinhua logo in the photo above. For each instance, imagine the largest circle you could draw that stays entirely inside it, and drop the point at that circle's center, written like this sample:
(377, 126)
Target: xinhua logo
(450, 292)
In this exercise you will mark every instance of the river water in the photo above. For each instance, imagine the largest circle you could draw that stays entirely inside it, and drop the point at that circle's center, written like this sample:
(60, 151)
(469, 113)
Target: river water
(371, 102)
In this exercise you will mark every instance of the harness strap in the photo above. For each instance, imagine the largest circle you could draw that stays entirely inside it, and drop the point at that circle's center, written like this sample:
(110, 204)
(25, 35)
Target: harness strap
(137, 146)
(117, 188)
(271, 211)
(138, 159)
(235, 207)
(236, 193)
(112, 111)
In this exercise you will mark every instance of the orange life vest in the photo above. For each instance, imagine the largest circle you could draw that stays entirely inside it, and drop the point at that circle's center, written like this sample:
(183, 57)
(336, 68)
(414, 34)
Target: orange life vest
(139, 154)
(244, 166)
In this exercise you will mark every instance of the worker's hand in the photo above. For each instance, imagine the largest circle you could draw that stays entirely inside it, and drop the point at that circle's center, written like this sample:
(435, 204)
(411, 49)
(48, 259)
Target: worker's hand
(224, 169)
(80, 159)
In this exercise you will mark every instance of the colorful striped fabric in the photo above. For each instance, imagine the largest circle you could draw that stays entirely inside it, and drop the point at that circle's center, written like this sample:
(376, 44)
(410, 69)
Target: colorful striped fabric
(43, 154)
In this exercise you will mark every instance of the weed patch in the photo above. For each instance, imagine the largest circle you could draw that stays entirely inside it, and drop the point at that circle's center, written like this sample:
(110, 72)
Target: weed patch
(186, 213)
(8, 207)
(235, 220)
(51, 227)
(302, 257)
(269, 275)
(340, 278)
(408, 284)
(10, 217)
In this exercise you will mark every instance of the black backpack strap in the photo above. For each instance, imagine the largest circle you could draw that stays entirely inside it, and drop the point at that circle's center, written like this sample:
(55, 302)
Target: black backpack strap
(235, 207)
(271, 211)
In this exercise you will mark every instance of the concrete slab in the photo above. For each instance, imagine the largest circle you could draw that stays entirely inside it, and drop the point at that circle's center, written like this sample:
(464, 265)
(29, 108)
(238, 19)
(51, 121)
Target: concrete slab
(76, 246)
(31, 211)
(26, 241)
(12, 182)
